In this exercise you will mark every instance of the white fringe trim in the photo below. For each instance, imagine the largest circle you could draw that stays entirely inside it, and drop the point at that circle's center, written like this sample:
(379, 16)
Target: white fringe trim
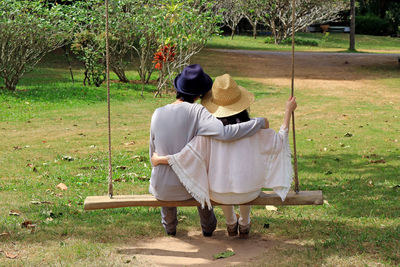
(197, 192)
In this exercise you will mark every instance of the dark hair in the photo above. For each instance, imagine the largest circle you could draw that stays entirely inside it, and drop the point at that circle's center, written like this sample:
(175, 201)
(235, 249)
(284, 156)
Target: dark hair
(237, 118)
(185, 97)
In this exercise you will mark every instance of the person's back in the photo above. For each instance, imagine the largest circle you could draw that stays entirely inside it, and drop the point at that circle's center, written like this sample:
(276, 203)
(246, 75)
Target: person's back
(173, 126)
(262, 160)
(234, 172)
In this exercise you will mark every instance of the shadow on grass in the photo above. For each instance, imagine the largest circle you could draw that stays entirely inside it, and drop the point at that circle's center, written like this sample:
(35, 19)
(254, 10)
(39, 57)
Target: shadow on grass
(330, 237)
(337, 238)
(356, 186)
(55, 92)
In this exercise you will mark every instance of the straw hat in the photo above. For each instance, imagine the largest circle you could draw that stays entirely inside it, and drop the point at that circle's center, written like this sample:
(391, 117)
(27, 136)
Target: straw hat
(226, 98)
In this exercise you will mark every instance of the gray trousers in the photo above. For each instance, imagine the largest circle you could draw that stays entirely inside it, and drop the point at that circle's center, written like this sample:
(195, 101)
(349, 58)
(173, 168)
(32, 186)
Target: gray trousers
(169, 219)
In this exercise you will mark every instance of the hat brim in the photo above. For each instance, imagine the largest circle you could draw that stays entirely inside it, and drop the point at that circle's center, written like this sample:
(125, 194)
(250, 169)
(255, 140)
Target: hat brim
(246, 99)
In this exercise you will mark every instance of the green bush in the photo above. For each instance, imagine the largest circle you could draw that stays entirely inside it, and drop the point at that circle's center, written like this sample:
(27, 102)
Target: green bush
(297, 41)
(372, 25)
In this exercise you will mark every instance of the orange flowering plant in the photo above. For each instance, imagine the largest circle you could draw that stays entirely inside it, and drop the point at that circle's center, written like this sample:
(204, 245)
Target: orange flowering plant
(165, 54)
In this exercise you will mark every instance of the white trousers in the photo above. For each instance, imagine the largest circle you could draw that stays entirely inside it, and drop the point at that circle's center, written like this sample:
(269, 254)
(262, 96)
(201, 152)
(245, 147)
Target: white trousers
(230, 216)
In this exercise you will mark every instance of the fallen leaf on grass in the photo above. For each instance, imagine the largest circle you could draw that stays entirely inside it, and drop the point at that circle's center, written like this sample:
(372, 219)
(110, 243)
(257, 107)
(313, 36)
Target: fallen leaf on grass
(143, 178)
(30, 165)
(4, 234)
(370, 156)
(326, 202)
(121, 167)
(370, 183)
(139, 158)
(26, 223)
(51, 214)
(68, 158)
(62, 186)
(29, 225)
(14, 213)
(131, 143)
(182, 218)
(226, 254)
(35, 202)
(17, 147)
(377, 161)
(10, 255)
(348, 135)
(271, 208)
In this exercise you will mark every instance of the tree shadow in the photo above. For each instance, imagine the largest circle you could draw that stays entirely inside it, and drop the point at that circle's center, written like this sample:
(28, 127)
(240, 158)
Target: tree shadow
(357, 186)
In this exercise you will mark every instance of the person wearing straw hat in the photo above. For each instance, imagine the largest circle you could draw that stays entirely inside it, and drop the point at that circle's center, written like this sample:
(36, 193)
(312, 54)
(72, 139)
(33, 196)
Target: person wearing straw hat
(234, 172)
(173, 126)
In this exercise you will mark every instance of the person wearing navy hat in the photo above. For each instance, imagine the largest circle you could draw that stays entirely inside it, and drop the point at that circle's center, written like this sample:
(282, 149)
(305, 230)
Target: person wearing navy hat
(173, 126)
(193, 81)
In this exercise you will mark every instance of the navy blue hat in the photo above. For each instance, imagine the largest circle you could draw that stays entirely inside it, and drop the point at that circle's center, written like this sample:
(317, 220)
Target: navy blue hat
(193, 81)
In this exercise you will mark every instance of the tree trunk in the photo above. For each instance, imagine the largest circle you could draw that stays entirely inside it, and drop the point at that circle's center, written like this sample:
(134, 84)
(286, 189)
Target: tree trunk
(11, 85)
(352, 26)
(274, 32)
(255, 30)
(86, 77)
(233, 33)
(121, 74)
(66, 53)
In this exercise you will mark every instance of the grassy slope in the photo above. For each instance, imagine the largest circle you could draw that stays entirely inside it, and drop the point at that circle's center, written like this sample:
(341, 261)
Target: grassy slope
(50, 117)
(335, 42)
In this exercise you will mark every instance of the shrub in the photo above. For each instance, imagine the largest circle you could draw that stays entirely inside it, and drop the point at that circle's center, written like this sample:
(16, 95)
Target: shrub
(372, 25)
(28, 31)
(393, 16)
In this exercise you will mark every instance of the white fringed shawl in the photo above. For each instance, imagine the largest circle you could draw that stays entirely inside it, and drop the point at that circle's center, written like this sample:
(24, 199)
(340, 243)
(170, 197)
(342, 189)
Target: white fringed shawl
(242, 166)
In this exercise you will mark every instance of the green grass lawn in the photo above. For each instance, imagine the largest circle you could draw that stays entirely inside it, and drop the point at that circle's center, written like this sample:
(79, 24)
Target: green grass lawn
(333, 42)
(50, 119)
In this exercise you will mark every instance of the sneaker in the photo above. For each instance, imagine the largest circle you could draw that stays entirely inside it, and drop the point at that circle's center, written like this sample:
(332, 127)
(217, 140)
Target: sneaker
(232, 229)
(244, 231)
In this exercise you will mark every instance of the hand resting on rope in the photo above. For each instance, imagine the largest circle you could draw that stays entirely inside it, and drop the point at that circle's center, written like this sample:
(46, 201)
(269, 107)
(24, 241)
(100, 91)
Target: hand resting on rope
(291, 106)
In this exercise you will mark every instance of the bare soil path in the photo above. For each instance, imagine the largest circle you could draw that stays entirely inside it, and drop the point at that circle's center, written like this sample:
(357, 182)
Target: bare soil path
(192, 249)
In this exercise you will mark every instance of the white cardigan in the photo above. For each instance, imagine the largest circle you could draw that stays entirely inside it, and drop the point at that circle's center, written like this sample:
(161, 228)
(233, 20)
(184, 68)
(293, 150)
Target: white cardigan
(207, 166)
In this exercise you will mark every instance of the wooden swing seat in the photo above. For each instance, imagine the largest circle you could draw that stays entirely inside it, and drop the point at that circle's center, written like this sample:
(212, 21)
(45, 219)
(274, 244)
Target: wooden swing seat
(265, 198)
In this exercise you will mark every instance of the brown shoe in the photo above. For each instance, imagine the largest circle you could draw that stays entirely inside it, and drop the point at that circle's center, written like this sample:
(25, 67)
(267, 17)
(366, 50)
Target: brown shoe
(244, 231)
(232, 229)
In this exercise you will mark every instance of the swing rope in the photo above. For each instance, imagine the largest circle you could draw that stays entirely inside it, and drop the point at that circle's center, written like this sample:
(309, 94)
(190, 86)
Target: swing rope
(296, 174)
(110, 179)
